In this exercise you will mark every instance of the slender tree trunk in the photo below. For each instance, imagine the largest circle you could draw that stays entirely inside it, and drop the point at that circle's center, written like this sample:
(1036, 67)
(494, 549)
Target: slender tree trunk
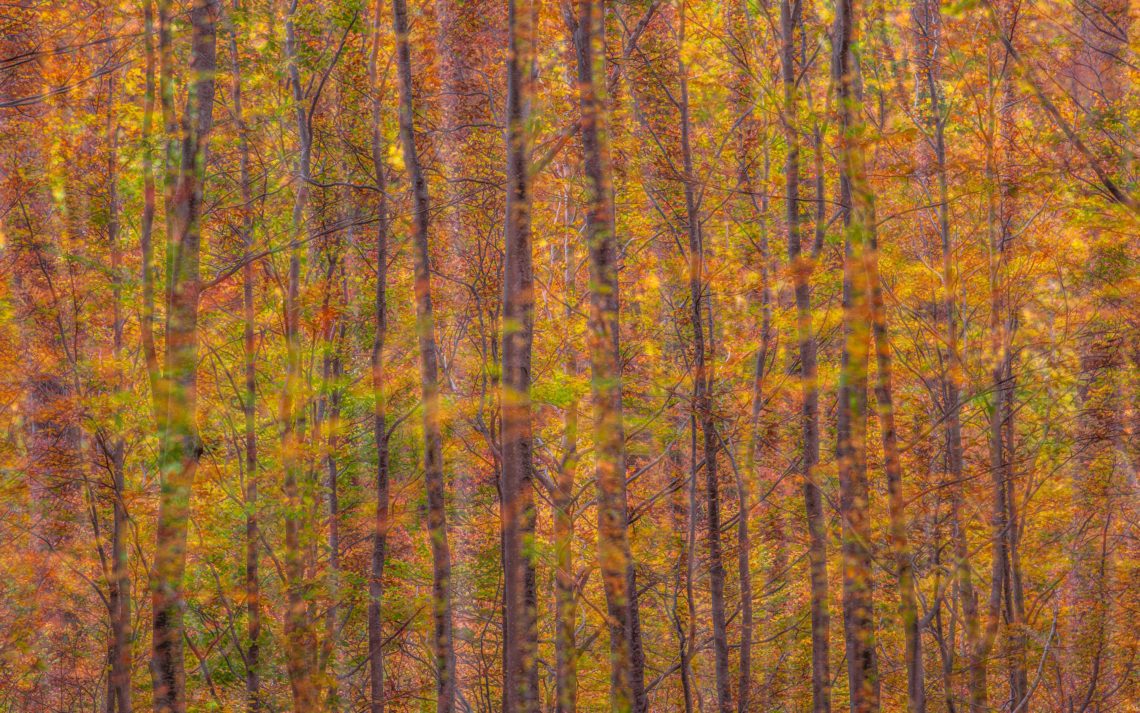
(614, 558)
(801, 267)
(772, 697)
(565, 579)
(443, 645)
(333, 377)
(679, 512)
(752, 212)
(300, 641)
(702, 392)
(520, 660)
(1099, 84)
(119, 594)
(857, 203)
(180, 446)
(689, 645)
(146, 228)
(927, 18)
(892, 464)
(1003, 326)
(249, 402)
(379, 377)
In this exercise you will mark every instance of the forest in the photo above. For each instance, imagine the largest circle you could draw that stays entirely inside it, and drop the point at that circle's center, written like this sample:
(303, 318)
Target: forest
(569, 356)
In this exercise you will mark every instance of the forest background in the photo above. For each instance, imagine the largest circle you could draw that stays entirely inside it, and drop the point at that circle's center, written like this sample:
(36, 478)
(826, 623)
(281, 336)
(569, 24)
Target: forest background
(461, 355)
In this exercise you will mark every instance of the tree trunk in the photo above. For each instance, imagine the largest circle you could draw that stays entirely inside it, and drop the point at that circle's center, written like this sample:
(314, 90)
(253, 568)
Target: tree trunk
(520, 625)
(249, 402)
(1003, 326)
(177, 401)
(752, 213)
(1098, 85)
(565, 579)
(300, 640)
(333, 376)
(443, 646)
(379, 392)
(892, 464)
(801, 267)
(119, 594)
(615, 562)
(702, 391)
(857, 203)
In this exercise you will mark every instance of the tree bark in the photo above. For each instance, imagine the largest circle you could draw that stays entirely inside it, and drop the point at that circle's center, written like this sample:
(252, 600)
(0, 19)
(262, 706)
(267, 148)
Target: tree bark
(176, 402)
(801, 267)
(380, 523)
(520, 625)
(703, 385)
(1007, 598)
(119, 594)
(442, 644)
(249, 402)
(857, 203)
(1098, 85)
(565, 579)
(743, 103)
(300, 639)
(615, 562)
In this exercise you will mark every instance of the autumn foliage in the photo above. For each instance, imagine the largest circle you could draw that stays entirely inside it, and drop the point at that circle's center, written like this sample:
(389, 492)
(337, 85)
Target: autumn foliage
(635, 356)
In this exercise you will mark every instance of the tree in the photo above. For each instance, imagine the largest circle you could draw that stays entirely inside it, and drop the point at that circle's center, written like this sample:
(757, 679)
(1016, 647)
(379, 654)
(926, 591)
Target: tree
(175, 399)
(442, 644)
(520, 659)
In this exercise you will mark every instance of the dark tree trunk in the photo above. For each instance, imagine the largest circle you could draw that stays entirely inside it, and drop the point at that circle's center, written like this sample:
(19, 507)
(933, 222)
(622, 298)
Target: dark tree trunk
(751, 213)
(702, 405)
(333, 376)
(119, 590)
(626, 687)
(249, 401)
(801, 267)
(379, 393)
(857, 204)
(520, 626)
(442, 643)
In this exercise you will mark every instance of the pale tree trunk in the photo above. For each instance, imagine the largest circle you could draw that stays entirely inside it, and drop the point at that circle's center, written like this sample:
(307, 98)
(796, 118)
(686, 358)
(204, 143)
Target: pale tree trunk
(884, 396)
(857, 203)
(146, 226)
(177, 400)
(520, 625)
(442, 637)
(468, 40)
(380, 524)
(763, 443)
